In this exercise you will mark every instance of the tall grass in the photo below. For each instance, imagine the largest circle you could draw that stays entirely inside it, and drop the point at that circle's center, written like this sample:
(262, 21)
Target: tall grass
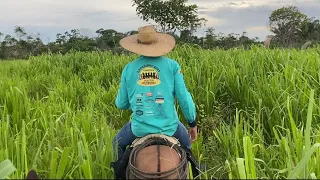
(258, 112)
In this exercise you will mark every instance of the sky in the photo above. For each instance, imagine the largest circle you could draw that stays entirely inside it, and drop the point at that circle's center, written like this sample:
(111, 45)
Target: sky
(49, 17)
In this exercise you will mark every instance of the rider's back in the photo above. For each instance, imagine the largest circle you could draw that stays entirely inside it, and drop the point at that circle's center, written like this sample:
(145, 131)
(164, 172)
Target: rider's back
(148, 87)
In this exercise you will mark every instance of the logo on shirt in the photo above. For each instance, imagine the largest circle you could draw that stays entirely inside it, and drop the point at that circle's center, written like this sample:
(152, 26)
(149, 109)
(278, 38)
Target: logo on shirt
(149, 106)
(149, 76)
(139, 112)
(139, 106)
(159, 100)
(149, 101)
(149, 113)
(160, 110)
(139, 101)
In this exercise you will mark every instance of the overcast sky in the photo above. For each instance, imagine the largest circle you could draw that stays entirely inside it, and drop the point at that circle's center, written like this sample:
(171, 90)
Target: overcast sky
(49, 17)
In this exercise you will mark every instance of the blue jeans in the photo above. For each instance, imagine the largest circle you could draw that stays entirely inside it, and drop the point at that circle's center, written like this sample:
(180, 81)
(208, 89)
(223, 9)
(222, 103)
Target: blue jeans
(125, 137)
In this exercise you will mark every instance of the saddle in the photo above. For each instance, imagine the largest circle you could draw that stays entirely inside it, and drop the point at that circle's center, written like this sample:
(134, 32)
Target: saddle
(120, 166)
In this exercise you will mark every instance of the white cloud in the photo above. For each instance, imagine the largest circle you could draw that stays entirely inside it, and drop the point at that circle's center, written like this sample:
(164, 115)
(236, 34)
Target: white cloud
(257, 29)
(212, 21)
(252, 16)
(210, 4)
(50, 17)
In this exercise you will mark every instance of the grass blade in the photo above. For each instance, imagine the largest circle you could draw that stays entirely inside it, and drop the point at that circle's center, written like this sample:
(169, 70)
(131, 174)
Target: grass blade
(6, 168)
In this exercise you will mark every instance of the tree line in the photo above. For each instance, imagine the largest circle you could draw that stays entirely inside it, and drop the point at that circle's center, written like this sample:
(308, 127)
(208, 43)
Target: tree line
(290, 27)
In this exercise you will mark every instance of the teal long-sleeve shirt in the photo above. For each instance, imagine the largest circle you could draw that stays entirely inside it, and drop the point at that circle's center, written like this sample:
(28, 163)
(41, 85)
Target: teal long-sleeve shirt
(148, 87)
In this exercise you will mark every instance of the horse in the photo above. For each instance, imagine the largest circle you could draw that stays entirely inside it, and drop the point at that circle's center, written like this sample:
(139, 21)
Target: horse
(32, 174)
(155, 156)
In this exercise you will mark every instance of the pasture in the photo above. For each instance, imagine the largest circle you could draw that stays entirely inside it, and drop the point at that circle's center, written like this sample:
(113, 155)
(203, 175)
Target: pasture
(258, 112)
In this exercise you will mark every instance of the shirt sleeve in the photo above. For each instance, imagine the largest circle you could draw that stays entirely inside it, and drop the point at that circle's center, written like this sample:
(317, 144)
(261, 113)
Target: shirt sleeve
(122, 100)
(184, 97)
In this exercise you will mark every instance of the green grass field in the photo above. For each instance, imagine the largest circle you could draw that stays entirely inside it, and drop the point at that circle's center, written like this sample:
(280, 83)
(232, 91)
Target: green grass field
(258, 112)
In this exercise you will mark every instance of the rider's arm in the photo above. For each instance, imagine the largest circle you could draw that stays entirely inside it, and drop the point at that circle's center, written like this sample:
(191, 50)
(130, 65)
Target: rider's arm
(184, 97)
(122, 100)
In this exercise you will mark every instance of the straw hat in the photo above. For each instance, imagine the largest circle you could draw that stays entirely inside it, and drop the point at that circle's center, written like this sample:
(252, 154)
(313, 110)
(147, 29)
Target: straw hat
(148, 42)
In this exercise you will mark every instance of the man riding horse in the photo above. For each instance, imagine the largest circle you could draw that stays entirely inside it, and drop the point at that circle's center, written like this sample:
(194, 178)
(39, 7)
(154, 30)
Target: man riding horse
(148, 88)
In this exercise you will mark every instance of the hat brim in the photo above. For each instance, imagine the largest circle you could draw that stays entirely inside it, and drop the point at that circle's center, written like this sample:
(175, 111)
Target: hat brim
(165, 43)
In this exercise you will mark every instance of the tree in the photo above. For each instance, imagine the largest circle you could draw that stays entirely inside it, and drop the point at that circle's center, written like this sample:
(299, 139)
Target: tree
(210, 38)
(1, 51)
(310, 29)
(170, 15)
(109, 38)
(186, 36)
(286, 23)
(8, 45)
(20, 31)
(1, 34)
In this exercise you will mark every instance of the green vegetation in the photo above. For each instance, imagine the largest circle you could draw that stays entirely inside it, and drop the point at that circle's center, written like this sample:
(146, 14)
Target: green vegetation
(6, 168)
(258, 112)
(289, 27)
(170, 15)
(293, 28)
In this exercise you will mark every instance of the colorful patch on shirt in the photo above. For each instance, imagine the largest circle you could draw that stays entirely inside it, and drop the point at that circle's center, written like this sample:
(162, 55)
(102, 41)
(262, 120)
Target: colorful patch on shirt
(159, 100)
(149, 94)
(149, 76)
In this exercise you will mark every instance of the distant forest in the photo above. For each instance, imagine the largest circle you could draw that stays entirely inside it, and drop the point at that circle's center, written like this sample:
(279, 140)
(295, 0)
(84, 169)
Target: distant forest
(290, 28)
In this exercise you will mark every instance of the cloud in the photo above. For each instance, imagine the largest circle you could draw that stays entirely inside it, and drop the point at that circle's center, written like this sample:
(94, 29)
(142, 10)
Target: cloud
(256, 29)
(49, 17)
(251, 16)
(213, 21)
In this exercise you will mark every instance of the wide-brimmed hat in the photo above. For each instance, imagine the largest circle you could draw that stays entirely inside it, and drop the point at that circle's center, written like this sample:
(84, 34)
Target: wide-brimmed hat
(148, 42)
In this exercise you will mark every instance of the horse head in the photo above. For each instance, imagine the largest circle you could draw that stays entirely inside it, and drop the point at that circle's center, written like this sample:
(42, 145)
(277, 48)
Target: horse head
(32, 174)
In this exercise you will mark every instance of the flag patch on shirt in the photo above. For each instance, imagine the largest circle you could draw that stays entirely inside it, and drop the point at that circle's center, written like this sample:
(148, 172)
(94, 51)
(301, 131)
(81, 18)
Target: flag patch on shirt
(159, 100)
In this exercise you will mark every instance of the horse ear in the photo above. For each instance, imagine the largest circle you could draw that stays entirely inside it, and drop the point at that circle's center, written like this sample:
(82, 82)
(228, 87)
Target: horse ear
(32, 175)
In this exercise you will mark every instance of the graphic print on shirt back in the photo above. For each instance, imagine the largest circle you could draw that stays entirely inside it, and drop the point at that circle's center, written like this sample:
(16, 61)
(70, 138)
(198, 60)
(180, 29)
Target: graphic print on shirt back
(149, 76)
(159, 100)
